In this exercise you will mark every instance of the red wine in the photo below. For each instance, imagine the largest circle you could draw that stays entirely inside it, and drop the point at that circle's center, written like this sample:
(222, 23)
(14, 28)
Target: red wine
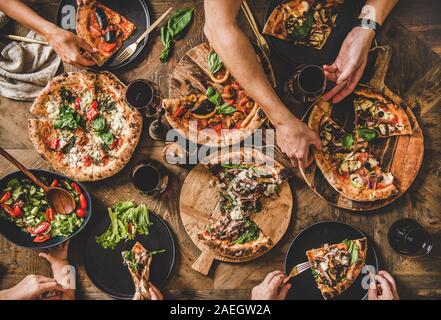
(139, 94)
(408, 237)
(311, 79)
(307, 84)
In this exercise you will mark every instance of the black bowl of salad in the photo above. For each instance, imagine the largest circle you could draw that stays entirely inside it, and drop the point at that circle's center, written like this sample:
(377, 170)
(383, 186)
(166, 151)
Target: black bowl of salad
(26, 218)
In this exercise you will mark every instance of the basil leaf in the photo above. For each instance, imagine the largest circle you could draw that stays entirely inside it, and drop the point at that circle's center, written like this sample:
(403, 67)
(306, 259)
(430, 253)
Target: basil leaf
(348, 140)
(107, 137)
(215, 63)
(302, 31)
(99, 124)
(66, 95)
(175, 25)
(67, 119)
(367, 134)
(179, 21)
(214, 96)
(225, 109)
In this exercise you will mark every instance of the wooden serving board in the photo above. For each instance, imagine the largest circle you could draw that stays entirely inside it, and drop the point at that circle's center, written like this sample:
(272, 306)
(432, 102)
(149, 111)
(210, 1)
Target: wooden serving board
(403, 155)
(199, 202)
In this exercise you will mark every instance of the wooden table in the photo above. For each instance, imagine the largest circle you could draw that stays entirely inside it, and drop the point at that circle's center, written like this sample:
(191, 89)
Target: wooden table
(413, 31)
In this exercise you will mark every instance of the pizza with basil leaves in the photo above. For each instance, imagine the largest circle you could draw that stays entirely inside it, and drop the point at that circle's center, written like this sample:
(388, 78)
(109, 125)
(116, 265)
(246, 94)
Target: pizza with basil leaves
(84, 128)
(307, 23)
(215, 118)
(335, 267)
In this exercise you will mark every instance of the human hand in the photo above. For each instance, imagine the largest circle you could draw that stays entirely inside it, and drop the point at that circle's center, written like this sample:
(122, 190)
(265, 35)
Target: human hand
(68, 46)
(294, 138)
(32, 287)
(155, 293)
(57, 256)
(349, 66)
(270, 289)
(387, 286)
(81, 2)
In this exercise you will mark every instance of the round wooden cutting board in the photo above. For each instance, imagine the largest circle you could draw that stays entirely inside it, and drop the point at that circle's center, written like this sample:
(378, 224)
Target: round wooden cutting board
(402, 155)
(199, 202)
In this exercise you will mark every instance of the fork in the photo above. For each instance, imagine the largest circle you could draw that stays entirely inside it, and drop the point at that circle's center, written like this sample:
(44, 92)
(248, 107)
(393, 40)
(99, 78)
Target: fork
(296, 270)
(130, 50)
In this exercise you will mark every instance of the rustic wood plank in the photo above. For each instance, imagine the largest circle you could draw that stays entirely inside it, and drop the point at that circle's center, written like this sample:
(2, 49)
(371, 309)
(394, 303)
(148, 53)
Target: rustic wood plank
(413, 32)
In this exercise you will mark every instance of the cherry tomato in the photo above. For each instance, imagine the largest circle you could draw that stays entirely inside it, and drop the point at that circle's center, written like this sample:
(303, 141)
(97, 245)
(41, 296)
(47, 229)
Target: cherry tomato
(42, 238)
(8, 210)
(108, 47)
(54, 183)
(75, 187)
(93, 111)
(41, 228)
(18, 213)
(77, 104)
(217, 128)
(83, 202)
(54, 143)
(87, 161)
(179, 112)
(81, 213)
(50, 214)
(5, 197)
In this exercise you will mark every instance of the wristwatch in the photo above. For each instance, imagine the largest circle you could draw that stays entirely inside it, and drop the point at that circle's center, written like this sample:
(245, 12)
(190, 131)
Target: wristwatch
(368, 24)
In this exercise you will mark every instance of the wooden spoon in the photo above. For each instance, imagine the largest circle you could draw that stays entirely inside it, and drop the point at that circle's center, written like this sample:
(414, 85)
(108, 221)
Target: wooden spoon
(59, 199)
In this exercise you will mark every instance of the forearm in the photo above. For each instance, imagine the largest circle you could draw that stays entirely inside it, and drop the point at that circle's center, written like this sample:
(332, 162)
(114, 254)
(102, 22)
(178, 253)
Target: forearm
(377, 10)
(238, 55)
(21, 13)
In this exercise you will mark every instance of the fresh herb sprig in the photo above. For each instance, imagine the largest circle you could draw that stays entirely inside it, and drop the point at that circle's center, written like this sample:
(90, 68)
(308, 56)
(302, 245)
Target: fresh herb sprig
(215, 63)
(177, 23)
(221, 106)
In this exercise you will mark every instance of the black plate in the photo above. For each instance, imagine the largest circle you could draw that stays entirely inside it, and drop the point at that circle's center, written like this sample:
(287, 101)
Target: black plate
(11, 232)
(105, 266)
(135, 11)
(300, 54)
(304, 286)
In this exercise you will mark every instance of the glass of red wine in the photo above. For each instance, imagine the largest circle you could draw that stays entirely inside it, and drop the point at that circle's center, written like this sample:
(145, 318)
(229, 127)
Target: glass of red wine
(145, 96)
(150, 177)
(307, 84)
(408, 237)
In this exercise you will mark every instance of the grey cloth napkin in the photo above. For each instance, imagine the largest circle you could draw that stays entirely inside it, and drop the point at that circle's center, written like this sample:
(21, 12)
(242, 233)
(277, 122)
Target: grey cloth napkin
(25, 68)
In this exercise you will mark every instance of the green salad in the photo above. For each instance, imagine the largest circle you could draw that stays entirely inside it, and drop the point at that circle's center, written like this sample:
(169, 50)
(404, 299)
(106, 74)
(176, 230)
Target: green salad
(26, 205)
(126, 219)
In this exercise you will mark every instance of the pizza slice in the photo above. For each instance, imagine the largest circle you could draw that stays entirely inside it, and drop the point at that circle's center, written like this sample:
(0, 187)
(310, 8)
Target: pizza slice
(306, 23)
(377, 116)
(234, 237)
(138, 261)
(336, 267)
(359, 177)
(103, 29)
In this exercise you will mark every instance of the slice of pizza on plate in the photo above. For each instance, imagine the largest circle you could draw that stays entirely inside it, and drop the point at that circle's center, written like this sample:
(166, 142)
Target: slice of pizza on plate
(336, 266)
(103, 29)
(138, 261)
(307, 23)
